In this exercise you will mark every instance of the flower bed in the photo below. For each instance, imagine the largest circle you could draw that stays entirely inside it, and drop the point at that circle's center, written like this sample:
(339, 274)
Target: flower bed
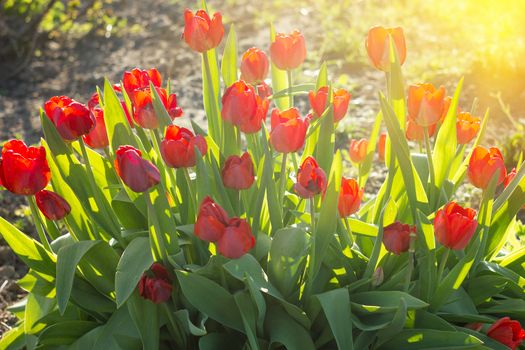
(155, 236)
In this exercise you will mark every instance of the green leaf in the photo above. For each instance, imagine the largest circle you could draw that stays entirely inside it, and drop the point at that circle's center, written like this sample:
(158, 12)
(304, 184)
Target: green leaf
(134, 261)
(249, 316)
(299, 89)
(31, 252)
(65, 333)
(370, 150)
(211, 299)
(160, 110)
(148, 327)
(336, 306)
(229, 59)
(383, 302)
(284, 330)
(431, 339)
(214, 341)
(36, 308)
(67, 260)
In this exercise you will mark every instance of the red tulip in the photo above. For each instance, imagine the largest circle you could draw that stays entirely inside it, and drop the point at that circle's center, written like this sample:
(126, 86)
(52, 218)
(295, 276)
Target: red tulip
(510, 176)
(254, 66)
(136, 172)
(288, 51)
(211, 221)
(318, 102)
(139, 79)
(71, 118)
(358, 150)
(378, 46)
(508, 332)
(202, 33)
(242, 107)
(484, 164)
(23, 170)
(178, 147)
(381, 146)
(311, 179)
(263, 90)
(467, 127)
(238, 172)
(288, 130)
(53, 206)
(396, 237)
(446, 105)
(415, 132)
(237, 239)
(349, 197)
(454, 226)
(97, 138)
(156, 285)
(425, 104)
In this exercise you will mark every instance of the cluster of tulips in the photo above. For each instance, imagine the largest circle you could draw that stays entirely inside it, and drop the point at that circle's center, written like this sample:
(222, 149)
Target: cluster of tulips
(157, 236)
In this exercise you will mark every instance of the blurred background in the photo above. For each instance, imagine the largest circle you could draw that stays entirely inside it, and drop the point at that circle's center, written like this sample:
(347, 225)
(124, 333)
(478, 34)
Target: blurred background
(53, 47)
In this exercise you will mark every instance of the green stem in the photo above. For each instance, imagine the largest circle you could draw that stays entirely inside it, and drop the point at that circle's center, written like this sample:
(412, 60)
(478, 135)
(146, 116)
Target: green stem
(157, 229)
(295, 164)
(350, 234)
(282, 186)
(429, 157)
(190, 190)
(38, 223)
(442, 264)
(411, 253)
(312, 214)
(290, 96)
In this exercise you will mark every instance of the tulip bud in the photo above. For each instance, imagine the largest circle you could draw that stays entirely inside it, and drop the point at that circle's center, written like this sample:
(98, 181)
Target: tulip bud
(23, 170)
(510, 176)
(358, 150)
(288, 51)
(97, 138)
(381, 146)
(378, 46)
(508, 332)
(349, 197)
(242, 107)
(467, 127)
(156, 285)
(378, 277)
(311, 179)
(414, 132)
(139, 79)
(425, 104)
(237, 239)
(71, 118)
(288, 130)
(319, 100)
(178, 147)
(454, 226)
(484, 164)
(238, 172)
(137, 173)
(263, 90)
(53, 206)
(211, 221)
(202, 33)
(396, 237)
(254, 66)
(446, 106)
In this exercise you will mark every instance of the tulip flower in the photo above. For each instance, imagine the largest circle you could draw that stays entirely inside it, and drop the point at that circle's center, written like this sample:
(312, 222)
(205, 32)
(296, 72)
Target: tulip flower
(71, 118)
(97, 138)
(242, 107)
(238, 172)
(378, 46)
(467, 127)
(416, 133)
(425, 104)
(23, 170)
(237, 239)
(454, 226)
(137, 173)
(52, 205)
(137, 85)
(156, 285)
(200, 32)
(311, 179)
(483, 165)
(263, 90)
(381, 146)
(254, 66)
(508, 332)
(211, 222)
(446, 105)
(510, 176)
(319, 99)
(288, 51)
(358, 150)
(350, 196)
(288, 130)
(396, 237)
(178, 147)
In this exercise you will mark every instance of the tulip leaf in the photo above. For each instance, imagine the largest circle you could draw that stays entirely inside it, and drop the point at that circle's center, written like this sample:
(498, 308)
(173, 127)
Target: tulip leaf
(248, 314)
(65, 333)
(214, 341)
(446, 141)
(211, 92)
(336, 306)
(229, 59)
(324, 150)
(279, 79)
(286, 331)
(163, 117)
(134, 261)
(431, 339)
(211, 299)
(299, 89)
(370, 151)
(148, 327)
